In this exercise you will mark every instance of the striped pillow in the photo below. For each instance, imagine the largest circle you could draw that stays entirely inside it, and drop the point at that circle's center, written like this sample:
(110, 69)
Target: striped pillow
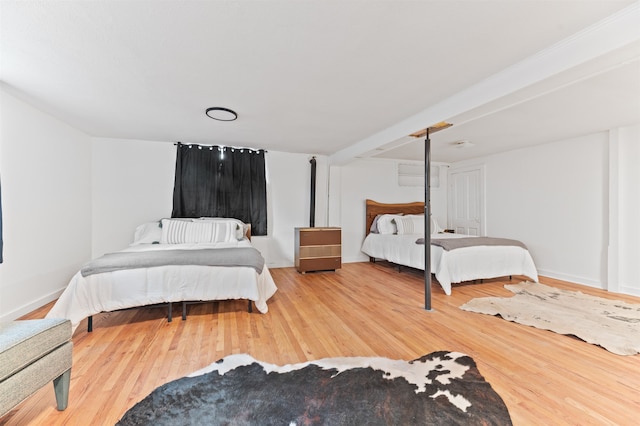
(181, 232)
(410, 224)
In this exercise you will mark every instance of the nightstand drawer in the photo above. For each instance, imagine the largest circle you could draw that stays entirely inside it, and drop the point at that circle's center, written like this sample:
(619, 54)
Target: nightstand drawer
(319, 236)
(319, 264)
(320, 251)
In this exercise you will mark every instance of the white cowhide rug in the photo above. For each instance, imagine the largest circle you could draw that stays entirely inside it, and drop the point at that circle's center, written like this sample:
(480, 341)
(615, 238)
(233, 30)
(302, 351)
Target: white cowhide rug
(612, 324)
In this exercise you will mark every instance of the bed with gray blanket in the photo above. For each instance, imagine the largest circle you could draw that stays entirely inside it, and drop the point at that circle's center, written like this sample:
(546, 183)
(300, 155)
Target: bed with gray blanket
(172, 260)
(395, 233)
(454, 257)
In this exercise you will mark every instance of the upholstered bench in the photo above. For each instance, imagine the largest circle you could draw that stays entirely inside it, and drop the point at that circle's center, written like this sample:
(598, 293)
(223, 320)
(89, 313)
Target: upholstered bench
(33, 353)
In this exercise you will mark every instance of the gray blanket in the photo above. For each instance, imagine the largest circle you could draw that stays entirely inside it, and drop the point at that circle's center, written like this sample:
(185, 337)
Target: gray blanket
(455, 243)
(236, 256)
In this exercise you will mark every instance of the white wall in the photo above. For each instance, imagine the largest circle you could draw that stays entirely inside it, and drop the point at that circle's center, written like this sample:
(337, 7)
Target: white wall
(46, 202)
(133, 183)
(556, 198)
(375, 179)
(624, 210)
(289, 188)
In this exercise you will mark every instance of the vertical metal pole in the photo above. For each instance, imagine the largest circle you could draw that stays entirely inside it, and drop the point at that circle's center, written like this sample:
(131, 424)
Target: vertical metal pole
(427, 222)
(312, 208)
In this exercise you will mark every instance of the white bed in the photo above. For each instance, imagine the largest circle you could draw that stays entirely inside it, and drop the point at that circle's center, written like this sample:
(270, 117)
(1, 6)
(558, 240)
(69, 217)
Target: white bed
(454, 266)
(88, 295)
(464, 264)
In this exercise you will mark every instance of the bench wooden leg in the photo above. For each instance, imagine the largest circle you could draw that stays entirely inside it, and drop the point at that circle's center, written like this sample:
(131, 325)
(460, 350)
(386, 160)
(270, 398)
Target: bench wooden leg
(61, 388)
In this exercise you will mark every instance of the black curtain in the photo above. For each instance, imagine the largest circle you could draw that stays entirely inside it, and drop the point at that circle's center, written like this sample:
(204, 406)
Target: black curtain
(216, 181)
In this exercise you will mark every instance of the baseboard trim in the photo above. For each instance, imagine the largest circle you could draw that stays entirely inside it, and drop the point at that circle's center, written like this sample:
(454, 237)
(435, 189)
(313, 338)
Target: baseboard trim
(30, 307)
(572, 279)
(633, 291)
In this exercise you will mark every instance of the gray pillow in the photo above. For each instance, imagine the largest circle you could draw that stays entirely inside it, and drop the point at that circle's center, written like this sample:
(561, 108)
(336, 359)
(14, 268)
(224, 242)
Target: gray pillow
(374, 225)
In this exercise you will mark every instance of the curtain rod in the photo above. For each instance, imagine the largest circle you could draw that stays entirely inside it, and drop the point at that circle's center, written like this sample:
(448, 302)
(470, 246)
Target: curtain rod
(220, 146)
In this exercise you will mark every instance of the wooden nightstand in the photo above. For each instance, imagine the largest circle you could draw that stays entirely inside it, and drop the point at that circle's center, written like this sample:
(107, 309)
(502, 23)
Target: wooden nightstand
(318, 249)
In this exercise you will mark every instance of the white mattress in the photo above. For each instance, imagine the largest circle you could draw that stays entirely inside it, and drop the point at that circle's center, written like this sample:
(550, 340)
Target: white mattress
(86, 296)
(463, 264)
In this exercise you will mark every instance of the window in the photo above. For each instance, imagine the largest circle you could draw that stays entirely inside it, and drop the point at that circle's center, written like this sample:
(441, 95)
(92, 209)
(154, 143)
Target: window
(216, 181)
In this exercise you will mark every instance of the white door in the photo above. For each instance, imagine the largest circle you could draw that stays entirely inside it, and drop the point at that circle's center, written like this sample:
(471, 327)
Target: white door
(466, 200)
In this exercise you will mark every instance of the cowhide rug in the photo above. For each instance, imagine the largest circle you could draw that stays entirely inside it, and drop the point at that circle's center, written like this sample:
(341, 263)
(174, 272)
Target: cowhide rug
(441, 388)
(612, 324)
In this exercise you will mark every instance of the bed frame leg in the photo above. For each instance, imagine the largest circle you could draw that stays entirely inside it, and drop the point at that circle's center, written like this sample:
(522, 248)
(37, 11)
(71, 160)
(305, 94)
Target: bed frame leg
(170, 317)
(90, 324)
(184, 311)
(250, 307)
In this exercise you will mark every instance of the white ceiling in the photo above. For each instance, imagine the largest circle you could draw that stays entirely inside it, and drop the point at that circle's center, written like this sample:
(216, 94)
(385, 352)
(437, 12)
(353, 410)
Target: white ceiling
(589, 99)
(338, 78)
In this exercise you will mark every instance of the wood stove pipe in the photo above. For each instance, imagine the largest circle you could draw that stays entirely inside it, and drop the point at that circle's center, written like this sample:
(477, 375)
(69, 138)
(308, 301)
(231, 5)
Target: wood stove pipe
(312, 212)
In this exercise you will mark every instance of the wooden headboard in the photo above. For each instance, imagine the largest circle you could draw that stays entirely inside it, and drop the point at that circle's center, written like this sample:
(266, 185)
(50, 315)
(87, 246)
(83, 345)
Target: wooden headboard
(373, 208)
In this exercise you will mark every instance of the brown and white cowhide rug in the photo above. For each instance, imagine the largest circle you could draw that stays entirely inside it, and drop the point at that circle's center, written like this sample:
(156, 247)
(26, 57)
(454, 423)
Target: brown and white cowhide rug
(612, 324)
(441, 388)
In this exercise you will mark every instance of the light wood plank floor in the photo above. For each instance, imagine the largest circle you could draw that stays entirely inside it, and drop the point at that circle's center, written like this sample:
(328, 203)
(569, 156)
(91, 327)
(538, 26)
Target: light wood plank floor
(362, 309)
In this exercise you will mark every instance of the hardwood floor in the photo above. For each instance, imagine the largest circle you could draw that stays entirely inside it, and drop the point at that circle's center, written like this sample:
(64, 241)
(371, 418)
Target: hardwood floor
(363, 309)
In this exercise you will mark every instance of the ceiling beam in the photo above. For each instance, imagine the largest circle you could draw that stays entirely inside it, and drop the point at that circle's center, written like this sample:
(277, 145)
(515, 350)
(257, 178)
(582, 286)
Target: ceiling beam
(613, 32)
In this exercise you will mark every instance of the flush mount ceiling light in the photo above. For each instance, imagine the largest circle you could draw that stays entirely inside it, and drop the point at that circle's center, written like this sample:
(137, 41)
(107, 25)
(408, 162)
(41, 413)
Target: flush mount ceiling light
(221, 114)
(463, 143)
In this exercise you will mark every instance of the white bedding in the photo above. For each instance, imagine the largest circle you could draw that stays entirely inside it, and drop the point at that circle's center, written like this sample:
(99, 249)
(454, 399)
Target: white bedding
(464, 264)
(86, 296)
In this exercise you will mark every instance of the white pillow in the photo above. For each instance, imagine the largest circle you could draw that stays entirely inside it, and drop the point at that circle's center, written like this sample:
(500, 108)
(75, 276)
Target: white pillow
(241, 227)
(181, 232)
(435, 227)
(387, 224)
(410, 225)
(147, 233)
